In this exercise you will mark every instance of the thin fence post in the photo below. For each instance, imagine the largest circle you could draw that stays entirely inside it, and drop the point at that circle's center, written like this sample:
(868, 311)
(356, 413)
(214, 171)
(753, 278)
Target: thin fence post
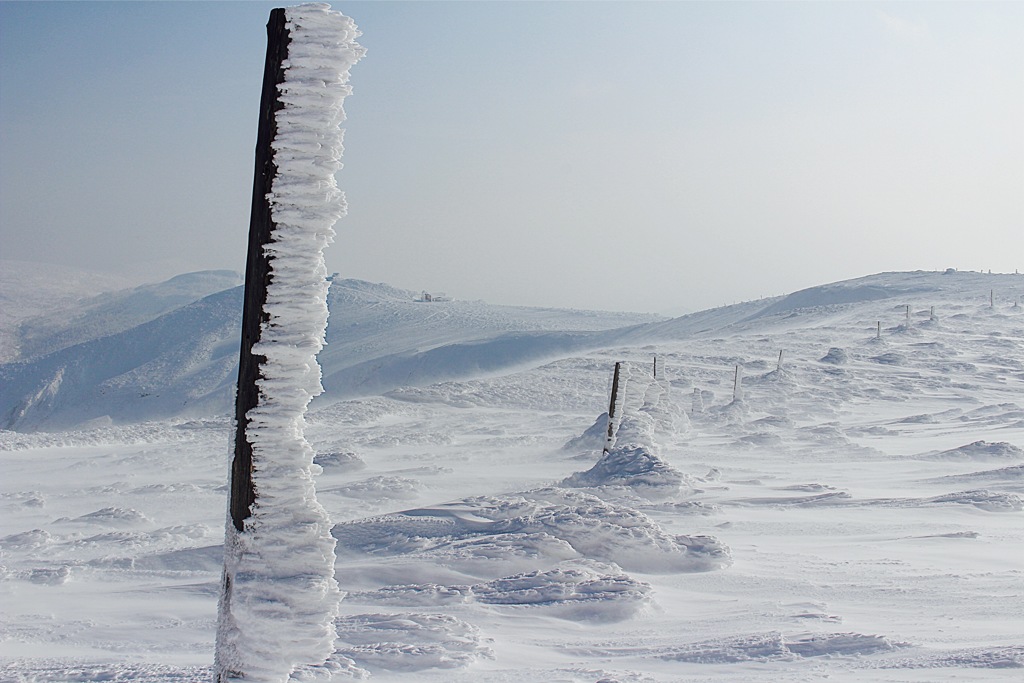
(878, 334)
(736, 384)
(778, 366)
(611, 409)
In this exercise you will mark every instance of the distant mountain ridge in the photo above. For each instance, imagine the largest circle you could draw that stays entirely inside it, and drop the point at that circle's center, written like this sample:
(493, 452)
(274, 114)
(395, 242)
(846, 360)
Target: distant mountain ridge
(181, 362)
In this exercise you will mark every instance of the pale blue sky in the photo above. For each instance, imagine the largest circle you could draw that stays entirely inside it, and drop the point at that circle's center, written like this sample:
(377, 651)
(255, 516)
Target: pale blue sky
(642, 156)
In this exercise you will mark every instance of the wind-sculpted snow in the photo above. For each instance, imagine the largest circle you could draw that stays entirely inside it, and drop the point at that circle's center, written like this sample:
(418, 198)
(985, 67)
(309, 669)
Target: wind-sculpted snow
(631, 465)
(633, 456)
(871, 536)
(762, 647)
(534, 526)
(410, 642)
(573, 590)
(980, 450)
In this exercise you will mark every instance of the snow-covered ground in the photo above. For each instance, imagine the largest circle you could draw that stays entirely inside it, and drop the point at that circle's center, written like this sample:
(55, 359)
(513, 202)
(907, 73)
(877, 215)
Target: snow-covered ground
(858, 515)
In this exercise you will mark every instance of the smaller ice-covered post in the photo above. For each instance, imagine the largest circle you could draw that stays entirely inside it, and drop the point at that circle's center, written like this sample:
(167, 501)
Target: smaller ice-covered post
(612, 412)
(279, 598)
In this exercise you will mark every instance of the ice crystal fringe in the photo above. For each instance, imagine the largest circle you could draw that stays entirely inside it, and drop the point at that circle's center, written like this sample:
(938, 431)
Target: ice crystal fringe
(284, 598)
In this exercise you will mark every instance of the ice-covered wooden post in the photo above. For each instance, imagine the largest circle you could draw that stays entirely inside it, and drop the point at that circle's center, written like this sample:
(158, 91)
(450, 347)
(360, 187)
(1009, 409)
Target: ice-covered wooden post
(613, 401)
(279, 598)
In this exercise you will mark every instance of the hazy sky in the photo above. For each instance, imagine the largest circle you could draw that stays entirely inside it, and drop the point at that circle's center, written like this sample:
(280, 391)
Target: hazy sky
(640, 156)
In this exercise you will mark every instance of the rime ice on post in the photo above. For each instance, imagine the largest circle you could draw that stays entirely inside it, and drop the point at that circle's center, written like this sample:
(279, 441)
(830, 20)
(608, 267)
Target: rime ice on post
(279, 597)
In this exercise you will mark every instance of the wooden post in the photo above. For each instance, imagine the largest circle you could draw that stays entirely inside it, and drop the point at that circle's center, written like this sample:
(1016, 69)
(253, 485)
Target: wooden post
(778, 366)
(736, 384)
(611, 408)
(991, 297)
(655, 367)
(878, 334)
(257, 268)
(908, 315)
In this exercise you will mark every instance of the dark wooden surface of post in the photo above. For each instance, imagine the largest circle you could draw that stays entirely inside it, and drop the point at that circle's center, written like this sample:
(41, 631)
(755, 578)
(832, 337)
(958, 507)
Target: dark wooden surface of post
(257, 268)
(611, 405)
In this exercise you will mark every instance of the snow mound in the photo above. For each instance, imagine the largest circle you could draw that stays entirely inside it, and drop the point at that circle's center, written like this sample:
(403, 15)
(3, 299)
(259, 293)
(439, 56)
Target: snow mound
(413, 595)
(552, 523)
(574, 592)
(339, 461)
(1012, 474)
(836, 356)
(979, 450)
(592, 439)
(111, 516)
(1011, 657)
(646, 409)
(27, 540)
(578, 591)
(409, 642)
(83, 671)
(379, 488)
(632, 465)
(761, 647)
(992, 501)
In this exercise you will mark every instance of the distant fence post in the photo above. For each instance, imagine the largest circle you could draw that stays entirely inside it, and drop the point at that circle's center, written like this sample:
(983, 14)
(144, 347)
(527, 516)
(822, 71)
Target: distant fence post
(257, 268)
(878, 333)
(736, 395)
(778, 366)
(611, 409)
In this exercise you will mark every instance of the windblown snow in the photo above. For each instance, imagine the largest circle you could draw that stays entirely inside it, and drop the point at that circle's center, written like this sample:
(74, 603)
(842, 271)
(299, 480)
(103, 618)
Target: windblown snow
(845, 517)
(277, 613)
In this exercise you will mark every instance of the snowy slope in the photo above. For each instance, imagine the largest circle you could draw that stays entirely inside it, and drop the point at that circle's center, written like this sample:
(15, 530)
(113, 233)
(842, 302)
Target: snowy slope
(857, 516)
(178, 364)
(117, 311)
(31, 289)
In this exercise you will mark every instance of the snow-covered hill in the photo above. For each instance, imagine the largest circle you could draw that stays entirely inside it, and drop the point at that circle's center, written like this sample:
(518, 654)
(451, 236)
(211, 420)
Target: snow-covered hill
(28, 290)
(117, 311)
(137, 362)
(134, 361)
(856, 515)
